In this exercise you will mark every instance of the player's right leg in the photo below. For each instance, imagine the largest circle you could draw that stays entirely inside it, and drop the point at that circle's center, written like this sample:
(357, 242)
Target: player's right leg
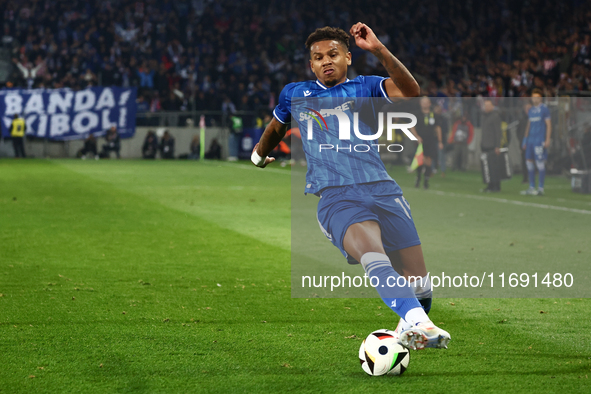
(428, 170)
(347, 216)
(403, 247)
(363, 241)
(412, 264)
(360, 240)
(541, 154)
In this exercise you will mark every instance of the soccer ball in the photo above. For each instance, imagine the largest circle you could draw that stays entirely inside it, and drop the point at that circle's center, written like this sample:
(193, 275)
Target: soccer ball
(380, 354)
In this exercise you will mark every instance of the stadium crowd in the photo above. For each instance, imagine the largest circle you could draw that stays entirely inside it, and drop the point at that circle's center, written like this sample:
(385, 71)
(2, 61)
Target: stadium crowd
(203, 55)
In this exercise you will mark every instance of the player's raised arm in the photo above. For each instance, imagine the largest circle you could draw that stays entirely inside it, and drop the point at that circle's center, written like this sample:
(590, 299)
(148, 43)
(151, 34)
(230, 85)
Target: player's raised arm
(401, 82)
(272, 136)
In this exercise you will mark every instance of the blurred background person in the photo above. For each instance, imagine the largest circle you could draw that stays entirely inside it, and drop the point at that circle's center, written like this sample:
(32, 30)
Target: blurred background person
(441, 121)
(89, 147)
(195, 148)
(461, 136)
(430, 133)
(236, 128)
(582, 156)
(521, 126)
(150, 146)
(536, 143)
(17, 133)
(167, 146)
(490, 144)
(214, 151)
(113, 143)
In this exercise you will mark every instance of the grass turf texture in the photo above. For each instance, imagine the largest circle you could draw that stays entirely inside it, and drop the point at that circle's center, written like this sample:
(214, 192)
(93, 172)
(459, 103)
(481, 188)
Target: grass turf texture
(129, 276)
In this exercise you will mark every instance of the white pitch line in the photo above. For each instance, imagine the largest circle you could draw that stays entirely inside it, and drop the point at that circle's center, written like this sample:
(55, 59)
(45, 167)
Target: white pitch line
(515, 202)
(251, 167)
(440, 193)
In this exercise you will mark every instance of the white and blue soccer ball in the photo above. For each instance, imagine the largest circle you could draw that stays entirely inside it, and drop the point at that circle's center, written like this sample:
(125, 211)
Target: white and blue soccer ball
(381, 354)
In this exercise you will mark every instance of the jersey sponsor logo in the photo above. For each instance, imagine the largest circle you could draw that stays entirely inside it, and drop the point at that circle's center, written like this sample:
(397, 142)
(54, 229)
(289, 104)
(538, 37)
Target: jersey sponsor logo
(316, 119)
(307, 93)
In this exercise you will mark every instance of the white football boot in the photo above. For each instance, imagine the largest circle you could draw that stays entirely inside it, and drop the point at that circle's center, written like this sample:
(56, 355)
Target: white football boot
(422, 335)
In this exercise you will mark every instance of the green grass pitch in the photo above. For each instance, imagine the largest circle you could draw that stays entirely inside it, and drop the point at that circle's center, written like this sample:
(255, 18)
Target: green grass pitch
(131, 276)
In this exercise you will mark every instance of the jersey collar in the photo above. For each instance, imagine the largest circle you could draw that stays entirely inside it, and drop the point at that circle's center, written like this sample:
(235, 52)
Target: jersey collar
(324, 87)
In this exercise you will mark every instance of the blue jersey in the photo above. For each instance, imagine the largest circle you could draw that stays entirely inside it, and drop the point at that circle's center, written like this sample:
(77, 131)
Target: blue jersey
(341, 165)
(537, 124)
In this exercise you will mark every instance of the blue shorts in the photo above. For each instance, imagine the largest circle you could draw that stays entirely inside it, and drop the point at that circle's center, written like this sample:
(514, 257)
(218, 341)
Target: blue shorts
(536, 151)
(382, 202)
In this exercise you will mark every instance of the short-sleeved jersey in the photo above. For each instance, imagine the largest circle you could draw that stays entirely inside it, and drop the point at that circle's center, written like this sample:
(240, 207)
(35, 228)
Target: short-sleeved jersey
(341, 165)
(537, 123)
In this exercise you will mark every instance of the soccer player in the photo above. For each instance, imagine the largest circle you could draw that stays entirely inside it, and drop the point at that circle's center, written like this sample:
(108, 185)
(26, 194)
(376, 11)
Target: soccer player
(536, 143)
(361, 208)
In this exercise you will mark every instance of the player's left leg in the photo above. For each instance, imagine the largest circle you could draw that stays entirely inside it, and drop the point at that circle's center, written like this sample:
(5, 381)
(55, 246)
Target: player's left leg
(420, 171)
(410, 263)
(541, 156)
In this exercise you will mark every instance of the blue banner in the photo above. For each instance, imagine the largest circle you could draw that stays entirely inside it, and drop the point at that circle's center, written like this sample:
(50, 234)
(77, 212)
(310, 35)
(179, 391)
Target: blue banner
(64, 114)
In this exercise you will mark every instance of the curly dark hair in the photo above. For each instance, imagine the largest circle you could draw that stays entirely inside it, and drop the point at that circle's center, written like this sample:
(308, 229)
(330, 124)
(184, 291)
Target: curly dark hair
(328, 33)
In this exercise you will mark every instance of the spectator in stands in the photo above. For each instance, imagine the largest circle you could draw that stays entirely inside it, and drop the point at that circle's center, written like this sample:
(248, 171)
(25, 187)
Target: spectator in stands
(142, 105)
(146, 76)
(491, 144)
(89, 78)
(88, 148)
(172, 103)
(167, 146)
(17, 133)
(461, 136)
(215, 150)
(493, 48)
(112, 143)
(150, 146)
(29, 72)
(195, 148)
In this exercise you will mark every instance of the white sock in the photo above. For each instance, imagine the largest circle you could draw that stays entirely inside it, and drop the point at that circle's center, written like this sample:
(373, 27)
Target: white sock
(416, 315)
(422, 289)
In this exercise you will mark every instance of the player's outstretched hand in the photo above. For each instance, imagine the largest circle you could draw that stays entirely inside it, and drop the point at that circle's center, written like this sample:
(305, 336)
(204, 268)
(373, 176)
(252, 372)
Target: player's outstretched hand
(268, 160)
(364, 37)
